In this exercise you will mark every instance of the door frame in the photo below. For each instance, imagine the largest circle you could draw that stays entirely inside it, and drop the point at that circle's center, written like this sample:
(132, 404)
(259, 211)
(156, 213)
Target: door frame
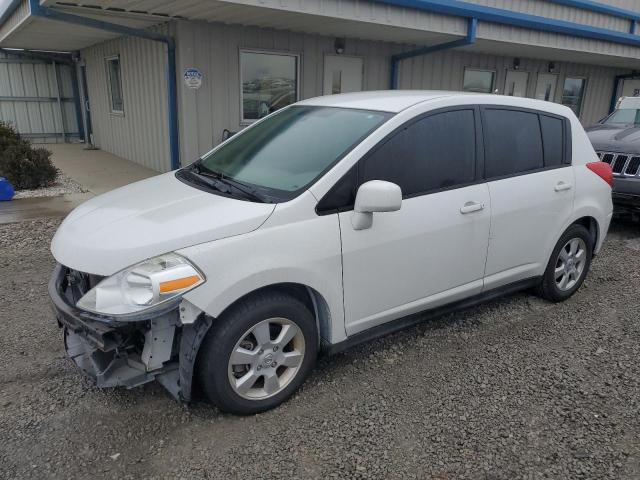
(526, 88)
(324, 64)
(555, 92)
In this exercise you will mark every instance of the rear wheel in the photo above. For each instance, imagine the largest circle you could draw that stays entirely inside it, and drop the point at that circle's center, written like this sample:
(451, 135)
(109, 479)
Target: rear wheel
(258, 353)
(568, 265)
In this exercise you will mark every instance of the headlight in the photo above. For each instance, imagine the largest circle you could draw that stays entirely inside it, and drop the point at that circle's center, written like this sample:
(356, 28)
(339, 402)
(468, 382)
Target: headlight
(142, 286)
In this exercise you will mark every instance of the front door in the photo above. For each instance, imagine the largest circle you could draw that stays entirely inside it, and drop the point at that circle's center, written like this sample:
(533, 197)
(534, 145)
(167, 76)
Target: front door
(546, 87)
(515, 84)
(433, 250)
(342, 74)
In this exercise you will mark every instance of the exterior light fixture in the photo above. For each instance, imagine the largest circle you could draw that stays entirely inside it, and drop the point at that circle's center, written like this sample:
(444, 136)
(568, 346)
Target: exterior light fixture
(339, 45)
(516, 64)
(552, 67)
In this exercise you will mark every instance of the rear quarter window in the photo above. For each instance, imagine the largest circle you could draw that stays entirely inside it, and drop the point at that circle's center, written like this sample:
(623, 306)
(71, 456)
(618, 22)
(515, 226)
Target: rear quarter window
(518, 141)
(552, 140)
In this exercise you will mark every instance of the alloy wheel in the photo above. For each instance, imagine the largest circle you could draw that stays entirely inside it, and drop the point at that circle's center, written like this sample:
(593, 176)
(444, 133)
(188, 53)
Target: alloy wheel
(266, 358)
(570, 264)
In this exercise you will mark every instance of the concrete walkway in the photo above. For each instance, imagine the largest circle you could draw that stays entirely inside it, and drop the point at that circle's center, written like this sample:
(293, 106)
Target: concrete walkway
(96, 170)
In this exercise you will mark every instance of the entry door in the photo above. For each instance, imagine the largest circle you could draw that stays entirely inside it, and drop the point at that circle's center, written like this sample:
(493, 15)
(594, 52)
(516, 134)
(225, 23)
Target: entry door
(433, 250)
(516, 83)
(631, 88)
(342, 74)
(546, 86)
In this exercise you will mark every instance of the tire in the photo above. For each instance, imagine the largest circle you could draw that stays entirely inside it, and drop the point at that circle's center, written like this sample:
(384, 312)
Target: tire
(551, 287)
(224, 378)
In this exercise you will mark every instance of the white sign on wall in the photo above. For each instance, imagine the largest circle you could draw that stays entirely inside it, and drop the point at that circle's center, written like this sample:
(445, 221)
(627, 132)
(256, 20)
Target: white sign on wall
(192, 78)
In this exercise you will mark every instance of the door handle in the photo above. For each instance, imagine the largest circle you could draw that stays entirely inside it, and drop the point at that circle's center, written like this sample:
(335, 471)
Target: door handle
(471, 207)
(561, 186)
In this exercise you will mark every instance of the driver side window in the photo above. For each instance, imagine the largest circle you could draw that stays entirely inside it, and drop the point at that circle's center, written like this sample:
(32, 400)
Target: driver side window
(435, 152)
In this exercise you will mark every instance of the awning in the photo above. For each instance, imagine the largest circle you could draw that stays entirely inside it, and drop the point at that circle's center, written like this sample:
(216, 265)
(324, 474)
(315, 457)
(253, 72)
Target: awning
(369, 20)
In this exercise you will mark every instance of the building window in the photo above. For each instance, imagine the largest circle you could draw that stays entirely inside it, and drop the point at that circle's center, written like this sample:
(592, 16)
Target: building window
(573, 93)
(115, 84)
(480, 81)
(269, 81)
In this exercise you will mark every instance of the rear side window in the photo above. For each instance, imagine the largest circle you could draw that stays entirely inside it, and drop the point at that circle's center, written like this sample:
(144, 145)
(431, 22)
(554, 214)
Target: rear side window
(513, 142)
(552, 140)
(433, 153)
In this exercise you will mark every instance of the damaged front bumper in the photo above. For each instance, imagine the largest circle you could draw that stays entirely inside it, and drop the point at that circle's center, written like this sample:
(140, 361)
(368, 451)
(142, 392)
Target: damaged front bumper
(115, 351)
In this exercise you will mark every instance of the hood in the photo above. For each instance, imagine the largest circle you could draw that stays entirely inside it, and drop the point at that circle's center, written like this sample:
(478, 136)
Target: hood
(139, 221)
(615, 138)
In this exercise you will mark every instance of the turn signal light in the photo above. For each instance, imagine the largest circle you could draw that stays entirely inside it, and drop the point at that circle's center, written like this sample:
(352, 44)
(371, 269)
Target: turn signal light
(603, 170)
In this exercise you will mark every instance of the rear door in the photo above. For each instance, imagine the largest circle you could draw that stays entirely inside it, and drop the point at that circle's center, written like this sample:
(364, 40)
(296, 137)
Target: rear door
(530, 179)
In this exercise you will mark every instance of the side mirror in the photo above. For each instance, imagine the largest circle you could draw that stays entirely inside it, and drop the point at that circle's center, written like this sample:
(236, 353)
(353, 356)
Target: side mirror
(375, 196)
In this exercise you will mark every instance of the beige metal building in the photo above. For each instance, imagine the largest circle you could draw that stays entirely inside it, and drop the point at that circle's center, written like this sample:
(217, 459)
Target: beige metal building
(164, 81)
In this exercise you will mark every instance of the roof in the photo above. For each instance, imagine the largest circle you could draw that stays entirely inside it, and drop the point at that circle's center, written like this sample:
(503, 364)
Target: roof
(382, 100)
(397, 100)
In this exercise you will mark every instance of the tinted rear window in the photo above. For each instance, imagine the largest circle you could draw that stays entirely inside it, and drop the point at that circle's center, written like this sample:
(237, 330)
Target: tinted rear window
(513, 142)
(553, 140)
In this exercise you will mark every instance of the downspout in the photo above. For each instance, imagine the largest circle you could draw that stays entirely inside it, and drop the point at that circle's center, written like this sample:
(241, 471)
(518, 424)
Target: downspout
(468, 40)
(172, 94)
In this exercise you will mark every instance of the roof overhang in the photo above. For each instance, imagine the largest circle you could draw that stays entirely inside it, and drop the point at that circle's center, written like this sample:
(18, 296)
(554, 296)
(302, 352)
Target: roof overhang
(371, 20)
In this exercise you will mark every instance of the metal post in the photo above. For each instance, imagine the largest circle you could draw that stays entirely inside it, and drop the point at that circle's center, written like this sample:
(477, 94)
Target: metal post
(59, 99)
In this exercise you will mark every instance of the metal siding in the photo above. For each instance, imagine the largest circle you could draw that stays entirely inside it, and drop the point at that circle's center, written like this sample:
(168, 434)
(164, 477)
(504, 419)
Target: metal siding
(445, 70)
(545, 8)
(214, 49)
(141, 134)
(39, 114)
(17, 17)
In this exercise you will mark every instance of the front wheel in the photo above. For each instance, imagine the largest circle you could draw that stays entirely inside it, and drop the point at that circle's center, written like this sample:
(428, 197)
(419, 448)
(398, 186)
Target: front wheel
(258, 353)
(568, 265)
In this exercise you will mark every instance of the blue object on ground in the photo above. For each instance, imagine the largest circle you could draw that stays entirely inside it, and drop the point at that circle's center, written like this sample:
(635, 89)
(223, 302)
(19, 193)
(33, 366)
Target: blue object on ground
(6, 190)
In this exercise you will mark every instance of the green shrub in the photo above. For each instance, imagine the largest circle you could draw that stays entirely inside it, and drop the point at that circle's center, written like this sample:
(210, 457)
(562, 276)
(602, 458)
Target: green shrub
(21, 164)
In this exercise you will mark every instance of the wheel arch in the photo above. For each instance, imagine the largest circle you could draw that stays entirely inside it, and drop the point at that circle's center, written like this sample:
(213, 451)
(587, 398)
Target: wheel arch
(591, 224)
(310, 297)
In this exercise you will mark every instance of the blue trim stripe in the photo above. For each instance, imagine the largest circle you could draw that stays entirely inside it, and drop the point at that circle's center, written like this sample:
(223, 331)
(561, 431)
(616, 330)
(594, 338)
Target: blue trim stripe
(458, 8)
(172, 90)
(598, 7)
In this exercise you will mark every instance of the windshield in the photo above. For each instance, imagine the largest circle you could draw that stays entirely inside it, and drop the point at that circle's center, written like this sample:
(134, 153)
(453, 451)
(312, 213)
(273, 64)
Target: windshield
(624, 116)
(289, 150)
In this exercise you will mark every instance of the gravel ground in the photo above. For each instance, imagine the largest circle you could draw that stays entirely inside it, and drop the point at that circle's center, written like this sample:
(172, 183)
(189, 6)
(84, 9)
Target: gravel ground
(517, 388)
(62, 186)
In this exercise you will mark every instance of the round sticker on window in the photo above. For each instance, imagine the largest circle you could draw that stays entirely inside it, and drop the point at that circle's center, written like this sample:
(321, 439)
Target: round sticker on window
(193, 78)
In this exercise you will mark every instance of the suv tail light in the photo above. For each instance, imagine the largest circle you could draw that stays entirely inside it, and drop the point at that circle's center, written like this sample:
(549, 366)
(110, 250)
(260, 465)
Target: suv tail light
(603, 170)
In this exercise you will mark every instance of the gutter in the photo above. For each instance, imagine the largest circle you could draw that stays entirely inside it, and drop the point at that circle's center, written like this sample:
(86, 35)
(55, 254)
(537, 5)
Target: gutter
(468, 40)
(458, 8)
(38, 10)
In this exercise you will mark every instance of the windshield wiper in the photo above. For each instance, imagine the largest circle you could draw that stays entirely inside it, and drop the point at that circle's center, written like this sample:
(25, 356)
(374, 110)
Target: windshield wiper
(248, 191)
(210, 182)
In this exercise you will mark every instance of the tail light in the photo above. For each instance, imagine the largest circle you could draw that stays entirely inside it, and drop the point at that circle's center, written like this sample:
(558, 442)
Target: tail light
(603, 170)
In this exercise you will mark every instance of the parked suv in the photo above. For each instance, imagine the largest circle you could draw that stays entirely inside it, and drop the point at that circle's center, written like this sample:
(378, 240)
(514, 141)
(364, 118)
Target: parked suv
(616, 139)
(330, 222)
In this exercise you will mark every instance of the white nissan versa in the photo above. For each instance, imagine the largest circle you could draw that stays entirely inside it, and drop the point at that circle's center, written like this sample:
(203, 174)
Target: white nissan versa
(327, 223)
